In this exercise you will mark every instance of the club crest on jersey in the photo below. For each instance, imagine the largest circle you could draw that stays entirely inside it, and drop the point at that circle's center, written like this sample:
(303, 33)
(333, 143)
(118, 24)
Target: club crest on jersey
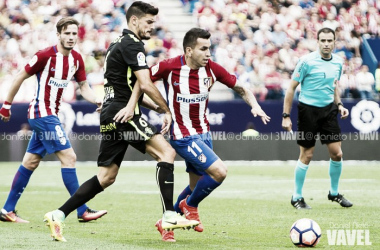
(141, 59)
(202, 158)
(207, 82)
(155, 69)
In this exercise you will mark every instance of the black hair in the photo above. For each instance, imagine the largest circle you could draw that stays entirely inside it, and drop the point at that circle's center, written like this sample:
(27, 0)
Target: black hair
(140, 9)
(190, 39)
(325, 30)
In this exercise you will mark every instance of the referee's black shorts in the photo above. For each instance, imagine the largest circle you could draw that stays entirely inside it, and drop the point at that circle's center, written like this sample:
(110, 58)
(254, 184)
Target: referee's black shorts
(317, 123)
(116, 137)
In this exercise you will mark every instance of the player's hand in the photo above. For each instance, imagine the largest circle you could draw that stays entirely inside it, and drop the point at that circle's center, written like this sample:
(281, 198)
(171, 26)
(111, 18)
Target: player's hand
(287, 124)
(5, 114)
(343, 112)
(124, 115)
(257, 111)
(167, 122)
(99, 103)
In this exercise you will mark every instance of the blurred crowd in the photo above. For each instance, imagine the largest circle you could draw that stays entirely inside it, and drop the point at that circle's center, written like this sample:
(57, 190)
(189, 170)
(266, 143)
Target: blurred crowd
(260, 41)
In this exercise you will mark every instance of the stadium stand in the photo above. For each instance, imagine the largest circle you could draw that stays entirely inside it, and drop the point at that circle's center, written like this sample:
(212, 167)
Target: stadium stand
(258, 40)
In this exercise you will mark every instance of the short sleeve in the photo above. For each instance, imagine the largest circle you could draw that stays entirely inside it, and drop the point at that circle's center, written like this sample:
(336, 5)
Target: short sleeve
(36, 64)
(80, 74)
(157, 71)
(300, 71)
(340, 71)
(222, 75)
(134, 56)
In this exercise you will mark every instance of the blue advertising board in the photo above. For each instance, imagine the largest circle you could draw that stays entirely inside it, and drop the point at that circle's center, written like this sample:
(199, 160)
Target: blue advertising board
(230, 116)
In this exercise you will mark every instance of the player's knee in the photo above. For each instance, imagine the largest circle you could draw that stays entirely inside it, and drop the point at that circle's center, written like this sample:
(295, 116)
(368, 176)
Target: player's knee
(220, 173)
(107, 181)
(110, 180)
(306, 157)
(31, 164)
(168, 155)
(337, 156)
(69, 160)
(171, 153)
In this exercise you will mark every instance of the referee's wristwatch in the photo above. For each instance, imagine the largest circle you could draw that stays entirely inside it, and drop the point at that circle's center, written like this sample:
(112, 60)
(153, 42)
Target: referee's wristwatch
(339, 104)
(285, 115)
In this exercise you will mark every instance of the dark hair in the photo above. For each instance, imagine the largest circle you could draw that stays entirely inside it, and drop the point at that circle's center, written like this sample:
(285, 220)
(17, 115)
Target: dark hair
(64, 22)
(325, 30)
(140, 9)
(190, 39)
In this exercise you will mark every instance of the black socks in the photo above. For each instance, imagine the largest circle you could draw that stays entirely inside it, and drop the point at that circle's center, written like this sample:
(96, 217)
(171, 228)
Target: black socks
(165, 181)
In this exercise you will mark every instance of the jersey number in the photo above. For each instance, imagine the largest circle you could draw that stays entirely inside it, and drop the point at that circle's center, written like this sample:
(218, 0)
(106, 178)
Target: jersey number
(194, 146)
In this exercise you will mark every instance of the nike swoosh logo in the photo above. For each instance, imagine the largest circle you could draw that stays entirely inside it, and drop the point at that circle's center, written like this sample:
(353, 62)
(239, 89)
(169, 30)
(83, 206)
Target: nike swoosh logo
(173, 223)
(168, 182)
(176, 83)
(10, 218)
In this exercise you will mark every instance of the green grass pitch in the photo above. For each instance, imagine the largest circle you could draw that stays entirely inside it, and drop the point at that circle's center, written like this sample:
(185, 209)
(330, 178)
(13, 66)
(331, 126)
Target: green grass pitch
(250, 210)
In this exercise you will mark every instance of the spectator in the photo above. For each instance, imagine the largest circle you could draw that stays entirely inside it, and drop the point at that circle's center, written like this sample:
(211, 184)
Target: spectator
(347, 85)
(377, 76)
(330, 22)
(273, 84)
(278, 36)
(365, 82)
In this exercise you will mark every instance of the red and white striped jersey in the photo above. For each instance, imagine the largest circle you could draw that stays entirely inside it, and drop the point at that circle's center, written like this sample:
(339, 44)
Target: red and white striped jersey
(187, 92)
(54, 72)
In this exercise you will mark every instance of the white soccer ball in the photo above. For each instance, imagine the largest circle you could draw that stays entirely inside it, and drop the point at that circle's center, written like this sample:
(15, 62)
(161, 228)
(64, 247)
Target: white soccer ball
(305, 233)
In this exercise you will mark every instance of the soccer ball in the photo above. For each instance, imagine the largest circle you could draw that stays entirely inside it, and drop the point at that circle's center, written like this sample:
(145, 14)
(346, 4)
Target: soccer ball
(305, 233)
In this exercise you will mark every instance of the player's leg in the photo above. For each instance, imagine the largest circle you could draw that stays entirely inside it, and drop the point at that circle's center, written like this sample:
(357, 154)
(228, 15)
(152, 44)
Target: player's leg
(193, 179)
(70, 179)
(331, 136)
(87, 191)
(335, 168)
(29, 163)
(164, 154)
(335, 171)
(198, 153)
(300, 171)
(208, 182)
(111, 154)
(308, 127)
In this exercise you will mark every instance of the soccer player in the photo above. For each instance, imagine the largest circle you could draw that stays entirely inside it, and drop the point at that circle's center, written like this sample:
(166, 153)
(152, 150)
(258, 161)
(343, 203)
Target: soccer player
(54, 67)
(318, 107)
(188, 80)
(125, 63)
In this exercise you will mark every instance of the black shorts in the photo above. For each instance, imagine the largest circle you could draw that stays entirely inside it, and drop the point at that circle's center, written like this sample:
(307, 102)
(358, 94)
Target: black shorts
(116, 137)
(317, 123)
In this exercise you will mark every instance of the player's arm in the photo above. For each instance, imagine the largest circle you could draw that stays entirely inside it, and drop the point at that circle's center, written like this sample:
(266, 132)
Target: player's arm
(127, 113)
(288, 101)
(151, 90)
(342, 110)
(145, 85)
(149, 104)
(89, 95)
(250, 99)
(5, 111)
